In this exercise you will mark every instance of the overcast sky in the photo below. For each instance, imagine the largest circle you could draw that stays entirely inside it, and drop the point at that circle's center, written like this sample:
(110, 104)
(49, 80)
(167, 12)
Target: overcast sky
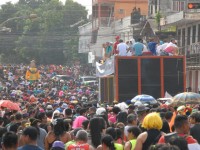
(86, 3)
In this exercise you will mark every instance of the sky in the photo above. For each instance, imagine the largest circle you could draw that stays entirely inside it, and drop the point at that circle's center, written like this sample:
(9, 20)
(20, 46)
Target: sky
(86, 3)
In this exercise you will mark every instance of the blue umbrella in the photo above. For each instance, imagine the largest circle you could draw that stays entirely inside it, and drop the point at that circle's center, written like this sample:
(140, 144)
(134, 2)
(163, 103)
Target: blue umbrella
(144, 99)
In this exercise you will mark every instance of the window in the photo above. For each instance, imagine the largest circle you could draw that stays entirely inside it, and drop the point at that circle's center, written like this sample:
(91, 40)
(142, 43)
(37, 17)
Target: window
(188, 35)
(178, 5)
(193, 34)
(199, 33)
(183, 37)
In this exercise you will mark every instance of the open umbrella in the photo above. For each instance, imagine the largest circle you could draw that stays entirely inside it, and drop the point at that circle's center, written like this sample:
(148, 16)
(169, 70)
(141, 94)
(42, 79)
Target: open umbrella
(144, 99)
(9, 104)
(186, 98)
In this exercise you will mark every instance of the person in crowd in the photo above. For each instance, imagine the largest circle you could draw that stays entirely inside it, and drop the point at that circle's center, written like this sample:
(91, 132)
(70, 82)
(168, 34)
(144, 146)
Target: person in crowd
(141, 113)
(152, 123)
(107, 143)
(182, 128)
(122, 48)
(29, 136)
(9, 141)
(132, 122)
(97, 126)
(92, 112)
(81, 141)
(41, 132)
(133, 133)
(163, 147)
(152, 46)
(59, 132)
(112, 117)
(109, 50)
(122, 117)
(138, 48)
(194, 119)
(73, 137)
(180, 142)
(41, 116)
(115, 51)
(171, 48)
(79, 120)
(111, 131)
(14, 127)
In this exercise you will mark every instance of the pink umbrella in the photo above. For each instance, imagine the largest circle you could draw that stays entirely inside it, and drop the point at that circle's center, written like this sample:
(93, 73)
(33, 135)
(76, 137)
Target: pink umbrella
(9, 104)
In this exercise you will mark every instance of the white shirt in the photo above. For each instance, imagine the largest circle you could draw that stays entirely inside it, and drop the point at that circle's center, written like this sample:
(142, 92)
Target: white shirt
(122, 48)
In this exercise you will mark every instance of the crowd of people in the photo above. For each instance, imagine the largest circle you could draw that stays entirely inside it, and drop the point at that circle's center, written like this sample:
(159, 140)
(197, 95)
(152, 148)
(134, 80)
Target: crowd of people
(66, 115)
(139, 47)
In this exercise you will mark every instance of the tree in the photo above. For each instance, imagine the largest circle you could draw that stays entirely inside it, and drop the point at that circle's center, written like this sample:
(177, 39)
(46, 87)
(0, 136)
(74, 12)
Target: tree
(48, 39)
(158, 17)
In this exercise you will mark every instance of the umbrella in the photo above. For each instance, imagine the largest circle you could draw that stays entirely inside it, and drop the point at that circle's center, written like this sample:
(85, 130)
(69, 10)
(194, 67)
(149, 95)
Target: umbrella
(186, 98)
(9, 104)
(144, 99)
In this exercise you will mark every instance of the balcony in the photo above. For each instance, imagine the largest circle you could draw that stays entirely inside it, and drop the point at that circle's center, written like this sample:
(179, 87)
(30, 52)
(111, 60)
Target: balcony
(181, 18)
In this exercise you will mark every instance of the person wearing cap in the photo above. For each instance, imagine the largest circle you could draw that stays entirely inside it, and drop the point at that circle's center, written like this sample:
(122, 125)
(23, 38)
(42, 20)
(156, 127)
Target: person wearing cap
(115, 45)
(41, 132)
(141, 112)
(132, 122)
(81, 141)
(29, 136)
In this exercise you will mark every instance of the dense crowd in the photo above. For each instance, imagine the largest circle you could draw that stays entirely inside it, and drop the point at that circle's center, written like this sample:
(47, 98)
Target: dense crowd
(139, 47)
(66, 115)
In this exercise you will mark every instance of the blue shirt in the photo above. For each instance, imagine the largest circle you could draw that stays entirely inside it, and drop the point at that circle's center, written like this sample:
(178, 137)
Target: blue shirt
(138, 48)
(29, 147)
(152, 47)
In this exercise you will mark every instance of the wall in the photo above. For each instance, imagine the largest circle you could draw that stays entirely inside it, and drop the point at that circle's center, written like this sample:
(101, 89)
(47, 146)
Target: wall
(128, 8)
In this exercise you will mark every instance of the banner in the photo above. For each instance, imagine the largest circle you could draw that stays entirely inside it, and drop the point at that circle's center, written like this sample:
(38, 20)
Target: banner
(105, 69)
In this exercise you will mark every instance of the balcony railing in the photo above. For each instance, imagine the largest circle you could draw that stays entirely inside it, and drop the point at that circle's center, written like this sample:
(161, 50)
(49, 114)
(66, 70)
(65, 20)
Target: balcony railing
(104, 22)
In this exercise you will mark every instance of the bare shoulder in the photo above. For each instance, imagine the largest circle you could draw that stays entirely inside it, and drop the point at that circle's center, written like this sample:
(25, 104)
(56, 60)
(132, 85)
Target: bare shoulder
(142, 137)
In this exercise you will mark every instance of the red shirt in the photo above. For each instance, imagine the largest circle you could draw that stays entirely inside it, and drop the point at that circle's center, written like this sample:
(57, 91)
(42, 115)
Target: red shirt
(190, 139)
(115, 51)
(78, 146)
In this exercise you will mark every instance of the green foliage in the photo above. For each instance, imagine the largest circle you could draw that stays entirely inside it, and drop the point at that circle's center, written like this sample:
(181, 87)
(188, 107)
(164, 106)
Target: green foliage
(48, 39)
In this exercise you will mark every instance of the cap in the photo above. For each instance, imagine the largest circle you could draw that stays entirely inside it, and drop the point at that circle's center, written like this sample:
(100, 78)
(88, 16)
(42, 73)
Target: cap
(49, 107)
(64, 106)
(142, 108)
(58, 144)
(117, 37)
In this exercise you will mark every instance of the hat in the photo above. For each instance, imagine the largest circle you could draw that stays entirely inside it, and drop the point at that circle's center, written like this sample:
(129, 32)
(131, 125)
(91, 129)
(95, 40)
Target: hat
(142, 108)
(64, 106)
(131, 107)
(117, 37)
(49, 107)
(138, 103)
(33, 121)
(100, 110)
(181, 108)
(58, 144)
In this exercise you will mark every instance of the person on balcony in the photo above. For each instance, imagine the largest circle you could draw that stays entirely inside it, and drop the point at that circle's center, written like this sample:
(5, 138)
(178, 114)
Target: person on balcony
(122, 48)
(115, 45)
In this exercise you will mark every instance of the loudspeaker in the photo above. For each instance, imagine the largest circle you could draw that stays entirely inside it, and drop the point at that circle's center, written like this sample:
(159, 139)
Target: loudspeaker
(107, 89)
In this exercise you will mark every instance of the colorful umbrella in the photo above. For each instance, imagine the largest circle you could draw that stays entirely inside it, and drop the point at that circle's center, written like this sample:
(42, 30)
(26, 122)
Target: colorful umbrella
(186, 98)
(9, 104)
(144, 99)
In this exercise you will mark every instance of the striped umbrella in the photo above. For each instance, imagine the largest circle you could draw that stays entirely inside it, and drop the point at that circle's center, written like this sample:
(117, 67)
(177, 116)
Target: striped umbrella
(186, 98)
(144, 99)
